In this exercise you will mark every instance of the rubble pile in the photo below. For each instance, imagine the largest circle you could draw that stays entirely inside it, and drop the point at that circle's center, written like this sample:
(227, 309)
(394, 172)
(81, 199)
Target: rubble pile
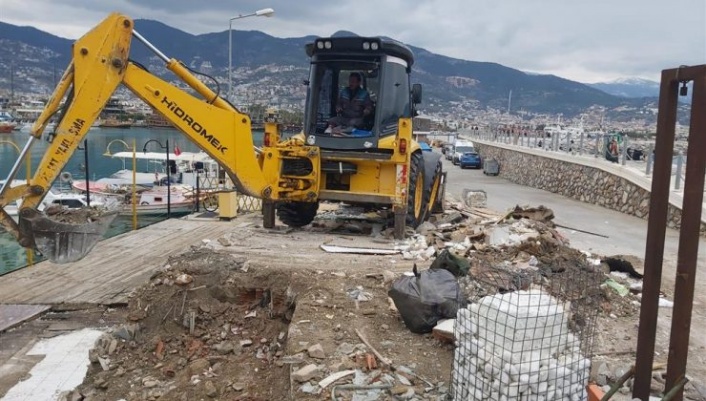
(516, 346)
(466, 230)
(214, 324)
(61, 214)
(199, 330)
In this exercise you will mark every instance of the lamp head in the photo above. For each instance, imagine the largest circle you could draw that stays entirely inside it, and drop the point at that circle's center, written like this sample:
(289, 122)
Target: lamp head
(265, 12)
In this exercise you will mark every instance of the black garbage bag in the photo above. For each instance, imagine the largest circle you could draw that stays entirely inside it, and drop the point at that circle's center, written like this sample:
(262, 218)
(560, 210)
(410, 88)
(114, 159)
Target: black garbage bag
(426, 298)
(457, 265)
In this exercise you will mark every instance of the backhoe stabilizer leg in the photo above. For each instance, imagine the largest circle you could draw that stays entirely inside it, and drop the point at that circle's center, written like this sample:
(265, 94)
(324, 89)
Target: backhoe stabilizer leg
(268, 214)
(400, 223)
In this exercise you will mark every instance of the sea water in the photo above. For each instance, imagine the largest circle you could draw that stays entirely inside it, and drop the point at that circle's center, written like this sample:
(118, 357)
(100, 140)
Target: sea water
(12, 256)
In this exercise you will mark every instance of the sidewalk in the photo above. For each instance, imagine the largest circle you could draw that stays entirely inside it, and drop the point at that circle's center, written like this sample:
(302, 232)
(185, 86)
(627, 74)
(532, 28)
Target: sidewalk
(634, 171)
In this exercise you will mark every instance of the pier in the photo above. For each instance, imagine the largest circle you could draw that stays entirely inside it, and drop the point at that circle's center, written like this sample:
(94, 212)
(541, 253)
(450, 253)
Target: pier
(112, 270)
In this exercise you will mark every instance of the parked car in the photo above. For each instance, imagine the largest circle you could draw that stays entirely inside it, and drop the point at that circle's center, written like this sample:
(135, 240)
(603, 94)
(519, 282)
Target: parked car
(449, 152)
(471, 159)
(461, 148)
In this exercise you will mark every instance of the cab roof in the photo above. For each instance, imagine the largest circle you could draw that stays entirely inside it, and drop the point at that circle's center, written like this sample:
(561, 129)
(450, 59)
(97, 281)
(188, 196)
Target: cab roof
(360, 46)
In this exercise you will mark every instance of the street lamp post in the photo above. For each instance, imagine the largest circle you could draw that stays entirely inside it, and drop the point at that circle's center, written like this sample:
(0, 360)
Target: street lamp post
(169, 180)
(265, 12)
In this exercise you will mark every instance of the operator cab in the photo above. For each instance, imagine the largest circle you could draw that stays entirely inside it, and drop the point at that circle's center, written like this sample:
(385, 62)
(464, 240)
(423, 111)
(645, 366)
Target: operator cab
(384, 67)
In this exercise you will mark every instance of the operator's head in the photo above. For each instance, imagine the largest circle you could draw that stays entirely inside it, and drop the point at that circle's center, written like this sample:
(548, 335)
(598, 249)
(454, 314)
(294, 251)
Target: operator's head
(354, 80)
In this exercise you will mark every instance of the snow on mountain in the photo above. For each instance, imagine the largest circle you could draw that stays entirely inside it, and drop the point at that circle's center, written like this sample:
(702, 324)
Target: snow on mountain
(630, 87)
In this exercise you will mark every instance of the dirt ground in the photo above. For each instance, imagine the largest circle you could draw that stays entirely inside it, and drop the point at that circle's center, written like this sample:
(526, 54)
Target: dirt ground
(267, 314)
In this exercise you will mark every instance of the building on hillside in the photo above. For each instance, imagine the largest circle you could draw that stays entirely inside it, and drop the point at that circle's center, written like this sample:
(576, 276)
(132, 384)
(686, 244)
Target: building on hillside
(421, 128)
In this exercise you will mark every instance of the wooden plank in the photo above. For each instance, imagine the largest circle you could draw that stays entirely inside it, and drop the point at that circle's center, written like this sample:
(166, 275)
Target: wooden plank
(13, 315)
(114, 268)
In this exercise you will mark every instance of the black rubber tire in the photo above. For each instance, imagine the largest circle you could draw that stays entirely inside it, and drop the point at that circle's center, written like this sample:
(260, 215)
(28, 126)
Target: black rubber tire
(416, 173)
(297, 214)
(431, 198)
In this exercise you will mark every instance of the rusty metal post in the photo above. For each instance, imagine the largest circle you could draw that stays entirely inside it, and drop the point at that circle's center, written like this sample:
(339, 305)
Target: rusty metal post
(688, 238)
(656, 230)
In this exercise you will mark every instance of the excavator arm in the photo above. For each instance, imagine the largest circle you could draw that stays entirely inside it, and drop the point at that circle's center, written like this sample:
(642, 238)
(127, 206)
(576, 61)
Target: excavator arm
(100, 64)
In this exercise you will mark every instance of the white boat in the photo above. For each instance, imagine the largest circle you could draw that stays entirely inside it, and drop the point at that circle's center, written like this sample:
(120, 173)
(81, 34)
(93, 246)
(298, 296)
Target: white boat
(149, 200)
(70, 200)
(154, 201)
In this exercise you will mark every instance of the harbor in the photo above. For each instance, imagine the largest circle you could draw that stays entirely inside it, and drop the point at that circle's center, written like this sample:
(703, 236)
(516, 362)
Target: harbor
(107, 153)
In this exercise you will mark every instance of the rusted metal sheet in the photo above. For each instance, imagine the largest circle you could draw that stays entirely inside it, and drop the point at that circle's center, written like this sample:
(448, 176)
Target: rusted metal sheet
(657, 225)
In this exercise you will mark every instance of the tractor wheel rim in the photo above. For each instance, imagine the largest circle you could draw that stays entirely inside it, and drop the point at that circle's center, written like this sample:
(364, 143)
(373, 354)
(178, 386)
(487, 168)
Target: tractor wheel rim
(434, 191)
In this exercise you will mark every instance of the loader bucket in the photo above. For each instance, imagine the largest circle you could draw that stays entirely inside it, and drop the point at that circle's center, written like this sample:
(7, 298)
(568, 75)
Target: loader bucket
(62, 242)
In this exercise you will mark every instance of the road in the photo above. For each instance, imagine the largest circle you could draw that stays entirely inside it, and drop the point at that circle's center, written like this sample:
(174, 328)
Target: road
(619, 234)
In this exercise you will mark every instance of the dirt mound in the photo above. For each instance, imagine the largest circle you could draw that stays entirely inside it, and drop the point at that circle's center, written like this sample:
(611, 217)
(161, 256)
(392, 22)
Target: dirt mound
(201, 329)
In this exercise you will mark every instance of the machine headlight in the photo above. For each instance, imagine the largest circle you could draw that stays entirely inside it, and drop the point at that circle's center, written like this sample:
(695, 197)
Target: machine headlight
(327, 44)
(374, 45)
(320, 45)
(366, 45)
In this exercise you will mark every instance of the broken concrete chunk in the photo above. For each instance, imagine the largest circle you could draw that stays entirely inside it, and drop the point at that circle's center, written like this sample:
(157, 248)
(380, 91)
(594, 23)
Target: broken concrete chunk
(183, 279)
(425, 228)
(198, 366)
(316, 351)
(210, 388)
(345, 349)
(306, 373)
(310, 388)
(474, 197)
(225, 347)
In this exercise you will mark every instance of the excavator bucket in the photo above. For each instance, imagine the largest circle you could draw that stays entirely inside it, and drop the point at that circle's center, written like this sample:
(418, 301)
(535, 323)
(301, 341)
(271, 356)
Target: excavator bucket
(62, 242)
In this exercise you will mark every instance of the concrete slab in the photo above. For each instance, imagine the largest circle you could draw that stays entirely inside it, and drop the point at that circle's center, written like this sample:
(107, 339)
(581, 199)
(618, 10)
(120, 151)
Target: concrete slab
(63, 368)
(11, 315)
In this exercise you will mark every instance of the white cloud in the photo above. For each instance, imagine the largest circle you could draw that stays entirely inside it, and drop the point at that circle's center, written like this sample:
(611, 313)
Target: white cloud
(580, 40)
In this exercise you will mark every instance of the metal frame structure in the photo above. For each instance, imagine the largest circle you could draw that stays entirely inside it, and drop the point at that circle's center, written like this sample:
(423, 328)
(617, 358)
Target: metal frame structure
(689, 232)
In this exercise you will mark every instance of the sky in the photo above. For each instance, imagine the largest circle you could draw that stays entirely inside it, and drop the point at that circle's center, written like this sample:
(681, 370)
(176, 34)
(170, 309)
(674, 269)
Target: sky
(585, 41)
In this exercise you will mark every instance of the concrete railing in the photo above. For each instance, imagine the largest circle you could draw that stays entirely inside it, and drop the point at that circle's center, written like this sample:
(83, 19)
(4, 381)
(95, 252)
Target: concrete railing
(586, 177)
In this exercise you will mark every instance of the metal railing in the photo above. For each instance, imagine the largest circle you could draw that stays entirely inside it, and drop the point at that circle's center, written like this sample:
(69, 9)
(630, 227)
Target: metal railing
(588, 145)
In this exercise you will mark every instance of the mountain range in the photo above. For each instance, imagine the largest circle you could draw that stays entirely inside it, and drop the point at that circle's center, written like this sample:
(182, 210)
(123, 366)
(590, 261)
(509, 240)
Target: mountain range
(629, 87)
(34, 59)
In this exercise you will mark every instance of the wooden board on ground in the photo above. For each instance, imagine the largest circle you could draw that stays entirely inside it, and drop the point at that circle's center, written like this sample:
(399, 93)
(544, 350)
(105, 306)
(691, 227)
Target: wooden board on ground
(12, 315)
(358, 250)
(112, 270)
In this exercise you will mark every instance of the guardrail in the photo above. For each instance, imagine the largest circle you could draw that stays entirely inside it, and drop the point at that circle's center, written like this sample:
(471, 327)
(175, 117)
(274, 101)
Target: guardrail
(587, 145)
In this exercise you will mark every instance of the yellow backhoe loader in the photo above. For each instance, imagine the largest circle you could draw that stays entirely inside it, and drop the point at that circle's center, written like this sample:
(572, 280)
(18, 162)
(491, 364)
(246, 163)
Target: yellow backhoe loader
(376, 162)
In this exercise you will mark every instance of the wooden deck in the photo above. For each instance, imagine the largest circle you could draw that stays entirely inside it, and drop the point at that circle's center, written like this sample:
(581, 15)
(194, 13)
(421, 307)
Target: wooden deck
(113, 268)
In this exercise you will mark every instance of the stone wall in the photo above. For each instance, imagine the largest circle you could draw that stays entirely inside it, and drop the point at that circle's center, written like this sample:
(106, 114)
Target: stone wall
(584, 183)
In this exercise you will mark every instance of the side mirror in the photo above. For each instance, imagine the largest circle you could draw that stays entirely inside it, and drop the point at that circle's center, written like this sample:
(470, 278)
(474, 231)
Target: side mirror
(416, 93)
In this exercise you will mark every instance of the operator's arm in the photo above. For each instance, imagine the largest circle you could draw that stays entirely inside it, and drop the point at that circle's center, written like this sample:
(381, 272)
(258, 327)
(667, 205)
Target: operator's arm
(367, 103)
(343, 100)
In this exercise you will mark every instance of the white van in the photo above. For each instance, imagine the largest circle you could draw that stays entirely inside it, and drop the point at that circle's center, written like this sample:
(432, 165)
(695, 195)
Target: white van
(461, 147)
